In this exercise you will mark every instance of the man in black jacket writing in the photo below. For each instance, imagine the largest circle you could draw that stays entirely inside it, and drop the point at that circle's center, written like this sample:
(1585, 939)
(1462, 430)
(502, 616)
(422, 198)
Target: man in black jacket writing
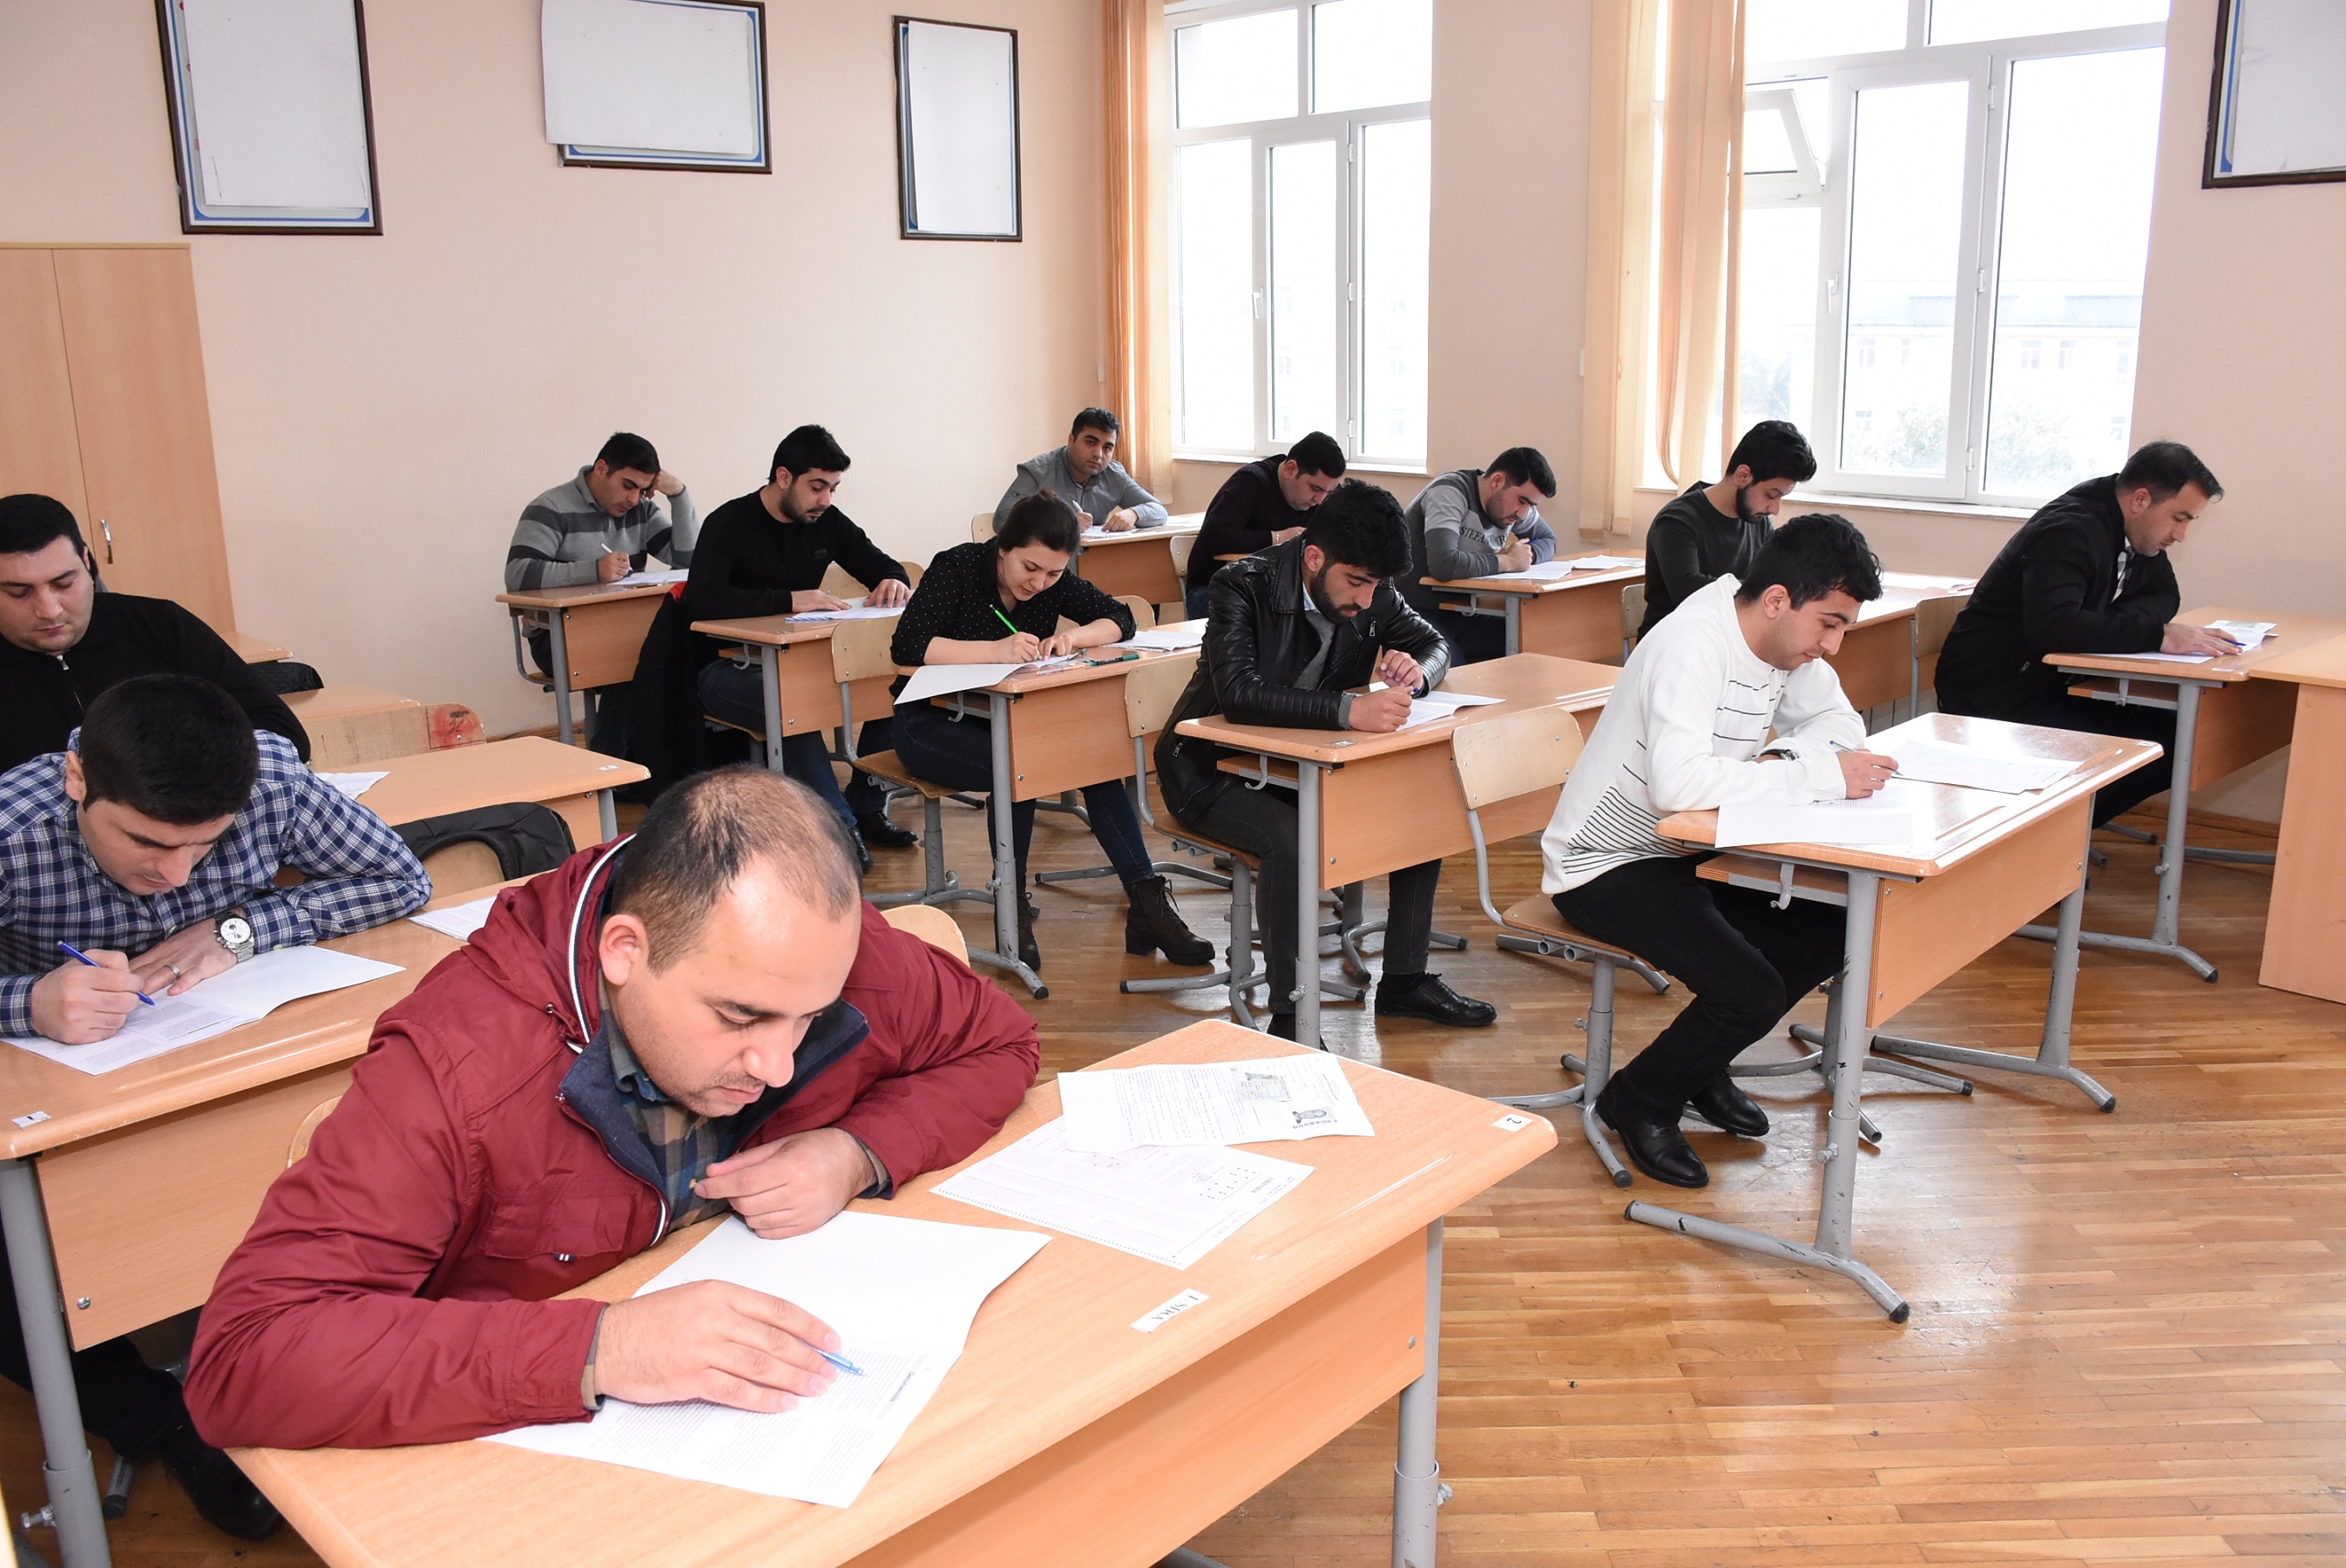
(1289, 631)
(2088, 574)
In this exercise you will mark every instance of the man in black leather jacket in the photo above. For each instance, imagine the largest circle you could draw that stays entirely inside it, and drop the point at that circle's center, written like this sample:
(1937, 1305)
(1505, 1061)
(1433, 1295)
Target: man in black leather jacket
(1288, 631)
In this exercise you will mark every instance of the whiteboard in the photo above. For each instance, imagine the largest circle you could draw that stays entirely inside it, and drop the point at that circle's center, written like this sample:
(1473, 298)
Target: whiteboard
(268, 114)
(2279, 115)
(677, 82)
(957, 130)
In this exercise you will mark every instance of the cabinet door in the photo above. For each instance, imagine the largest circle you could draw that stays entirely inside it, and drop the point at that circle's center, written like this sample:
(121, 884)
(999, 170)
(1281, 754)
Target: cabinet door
(145, 425)
(38, 450)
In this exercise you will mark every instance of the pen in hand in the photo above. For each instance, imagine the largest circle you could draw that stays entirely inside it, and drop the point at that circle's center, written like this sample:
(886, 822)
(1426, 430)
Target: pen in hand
(841, 1362)
(85, 958)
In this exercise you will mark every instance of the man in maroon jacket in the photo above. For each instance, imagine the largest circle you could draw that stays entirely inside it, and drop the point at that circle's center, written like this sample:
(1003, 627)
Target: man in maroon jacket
(702, 1017)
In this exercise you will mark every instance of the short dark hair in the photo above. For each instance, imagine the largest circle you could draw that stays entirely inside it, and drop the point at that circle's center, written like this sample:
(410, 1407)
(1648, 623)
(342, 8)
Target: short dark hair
(699, 839)
(626, 451)
(1042, 518)
(1524, 466)
(1812, 557)
(2164, 467)
(1775, 449)
(1094, 419)
(175, 748)
(30, 523)
(1317, 454)
(1360, 525)
(809, 449)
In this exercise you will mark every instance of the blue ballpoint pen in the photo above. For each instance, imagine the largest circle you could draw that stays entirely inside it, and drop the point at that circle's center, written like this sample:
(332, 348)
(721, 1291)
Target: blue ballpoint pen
(841, 1362)
(95, 964)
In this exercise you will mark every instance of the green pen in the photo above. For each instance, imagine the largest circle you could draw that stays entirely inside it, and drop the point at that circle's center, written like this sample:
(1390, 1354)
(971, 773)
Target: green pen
(1005, 620)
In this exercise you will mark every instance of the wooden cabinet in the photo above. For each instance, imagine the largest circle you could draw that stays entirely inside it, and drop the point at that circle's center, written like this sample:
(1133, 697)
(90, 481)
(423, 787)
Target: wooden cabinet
(102, 405)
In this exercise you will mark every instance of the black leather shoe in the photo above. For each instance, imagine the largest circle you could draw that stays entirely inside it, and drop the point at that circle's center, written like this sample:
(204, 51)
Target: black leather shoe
(1729, 1108)
(880, 833)
(1028, 953)
(862, 855)
(1657, 1148)
(1282, 1027)
(1431, 999)
(220, 1490)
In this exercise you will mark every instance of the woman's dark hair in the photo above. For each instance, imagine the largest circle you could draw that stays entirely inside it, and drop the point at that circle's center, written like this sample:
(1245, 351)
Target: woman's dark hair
(1041, 519)
(175, 748)
(809, 449)
(30, 523)
(1812, 557)
(1360, 525)
(633, 452)
(1775, 449)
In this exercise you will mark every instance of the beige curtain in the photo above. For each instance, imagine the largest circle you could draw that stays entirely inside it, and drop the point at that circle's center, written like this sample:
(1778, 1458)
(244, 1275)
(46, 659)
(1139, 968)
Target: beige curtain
(1667, 90)
(1139, 365)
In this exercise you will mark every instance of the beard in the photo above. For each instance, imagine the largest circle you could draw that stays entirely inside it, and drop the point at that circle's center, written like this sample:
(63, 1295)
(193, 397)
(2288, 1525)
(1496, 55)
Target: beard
(1317, 587)
(1743, 506)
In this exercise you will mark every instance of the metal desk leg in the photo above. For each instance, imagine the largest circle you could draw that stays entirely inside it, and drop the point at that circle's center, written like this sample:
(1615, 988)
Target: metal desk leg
(1515, 623)
(1832, 1249)
(74, 1498)
(606, 815)
(1417, 1473)
(556, 627)
(1006, 891)
(1308, 859)
(769, 688)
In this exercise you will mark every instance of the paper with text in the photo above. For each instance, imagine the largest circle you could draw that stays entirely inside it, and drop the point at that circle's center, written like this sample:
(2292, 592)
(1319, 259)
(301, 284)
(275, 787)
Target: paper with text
(1274, 1099)
(857, 610)
(1935, 762)
(645, 579)
(1436, 706)
(459, 921)
(1892, 818)
(945, 679)
(2249, 635)
(1172, 639)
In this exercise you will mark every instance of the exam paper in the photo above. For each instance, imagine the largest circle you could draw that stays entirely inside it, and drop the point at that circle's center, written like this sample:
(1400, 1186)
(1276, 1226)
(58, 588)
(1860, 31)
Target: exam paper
(354, 784)
(945, 679)
(857, 610)
(1178, 635)
(1889, 817)
(2247, 634)
(900, 1293)
(1437, 706)
(252, 989)
(459, 921)
(1274, 1099)
(1168, 1206)
(1935, 762)
(2170, 658)
(640, 579)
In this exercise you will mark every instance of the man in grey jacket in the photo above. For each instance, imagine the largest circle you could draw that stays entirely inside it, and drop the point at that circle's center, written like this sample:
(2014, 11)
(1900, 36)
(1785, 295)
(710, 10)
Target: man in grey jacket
(1085, 474)
(1473, 522)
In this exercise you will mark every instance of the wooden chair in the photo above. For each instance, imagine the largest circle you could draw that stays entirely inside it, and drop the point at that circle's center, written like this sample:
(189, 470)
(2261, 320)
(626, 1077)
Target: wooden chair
(933, 926)
(302, 1133)
(460, 868)
(841, 584)
(981, 527)
(913, 571)
(1633, 616)
(1181, 544)
(860, 651)
(1933, 619)
(1144, 614)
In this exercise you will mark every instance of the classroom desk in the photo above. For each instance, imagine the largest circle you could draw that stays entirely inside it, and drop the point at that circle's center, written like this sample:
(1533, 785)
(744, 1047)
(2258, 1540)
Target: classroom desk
(577, 784)
(1315, 1313)
(2305, 926)
(1369, 804)
(350, 726)
(258, 650)
(1139, 560)
(795, 671)
(1913, 919)
(1573, 618)
(1878, 661)
(129, 1190)
(2224, 720)
(597, 630)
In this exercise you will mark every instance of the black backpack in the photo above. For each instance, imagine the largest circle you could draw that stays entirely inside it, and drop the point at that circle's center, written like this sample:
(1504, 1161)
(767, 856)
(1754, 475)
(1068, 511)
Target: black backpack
(526, 838)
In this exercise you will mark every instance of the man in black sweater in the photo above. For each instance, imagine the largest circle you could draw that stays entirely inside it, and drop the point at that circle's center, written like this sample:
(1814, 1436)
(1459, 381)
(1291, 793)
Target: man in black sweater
(62, 642)
(764, 554)
(2088, 574)
(1713, 530)
(1265, 502)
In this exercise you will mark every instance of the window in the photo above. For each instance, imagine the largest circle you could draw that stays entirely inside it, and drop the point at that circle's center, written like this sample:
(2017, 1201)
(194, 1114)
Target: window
(1303, 163)
(1970, 178)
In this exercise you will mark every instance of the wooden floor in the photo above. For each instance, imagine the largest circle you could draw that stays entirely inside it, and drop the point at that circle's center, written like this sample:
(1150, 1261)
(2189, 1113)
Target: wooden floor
(2127, 1331)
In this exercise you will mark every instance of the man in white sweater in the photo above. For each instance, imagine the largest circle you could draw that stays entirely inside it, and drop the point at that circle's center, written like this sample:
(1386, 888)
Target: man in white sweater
(1727, 699)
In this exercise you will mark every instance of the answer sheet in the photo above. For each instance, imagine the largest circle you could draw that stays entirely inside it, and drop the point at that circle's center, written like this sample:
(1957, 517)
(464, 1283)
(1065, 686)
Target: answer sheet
(1274, 1099)
(1890, 818)
(354, 784)
(1436, 706)
(1169, 1206)
(1172, 639)
(900, 1293)
(2249, 635)
(1935, 762)
(856, 610)
(459, 921)
(945, 679)
(643, 579)
(252, 989)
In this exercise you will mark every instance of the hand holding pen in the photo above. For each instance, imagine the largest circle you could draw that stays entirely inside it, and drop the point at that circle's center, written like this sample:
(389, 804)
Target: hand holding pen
(87, 999)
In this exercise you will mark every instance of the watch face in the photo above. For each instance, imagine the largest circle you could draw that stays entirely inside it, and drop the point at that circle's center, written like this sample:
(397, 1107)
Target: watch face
(235, 932)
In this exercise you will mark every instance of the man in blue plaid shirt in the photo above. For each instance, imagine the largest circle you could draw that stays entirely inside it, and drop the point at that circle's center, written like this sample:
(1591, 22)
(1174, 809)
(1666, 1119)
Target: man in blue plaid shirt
(152, 844)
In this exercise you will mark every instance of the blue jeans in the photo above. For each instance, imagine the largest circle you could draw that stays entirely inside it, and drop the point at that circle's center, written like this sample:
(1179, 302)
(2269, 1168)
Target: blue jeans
(738, 696)
(958, 753)
(1193, 605)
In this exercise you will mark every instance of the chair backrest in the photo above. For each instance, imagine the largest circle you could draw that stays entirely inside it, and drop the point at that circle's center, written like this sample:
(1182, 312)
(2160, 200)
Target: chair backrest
(1933, 619)
(1500, 759)
(1150, 692)
(840, 583)
(461, 867)
(1181, 544)
(1633, 611)
(912, 571)
(301, 1135)
(859, 649)
(1144, 614)
(931, 925)
(981, 527)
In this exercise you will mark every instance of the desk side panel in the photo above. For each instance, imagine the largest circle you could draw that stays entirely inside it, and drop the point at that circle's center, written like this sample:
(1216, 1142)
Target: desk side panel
(1925, 931)
(1143, 568)
(1403, 807)
(2305, 929)
(604, 638)
(1876, 662)
(1066, 736)
(1578, 623)
(2237, 725)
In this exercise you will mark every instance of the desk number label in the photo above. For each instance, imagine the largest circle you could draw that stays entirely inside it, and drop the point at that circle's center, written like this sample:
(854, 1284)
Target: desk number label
(1511, 1124)
(1156, 1319)
(28, 1121)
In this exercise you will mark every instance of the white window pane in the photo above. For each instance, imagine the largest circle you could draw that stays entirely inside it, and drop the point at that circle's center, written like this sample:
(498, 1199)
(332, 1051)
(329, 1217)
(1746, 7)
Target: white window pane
(1968, 21)
(1303, 289)
(1366, 53)
(2076, 225)
(1767, 145)
(1396, 184)
(1803, 29)
(1213, 296)
(1906, 207)
(1230, 72)
(1776, 317)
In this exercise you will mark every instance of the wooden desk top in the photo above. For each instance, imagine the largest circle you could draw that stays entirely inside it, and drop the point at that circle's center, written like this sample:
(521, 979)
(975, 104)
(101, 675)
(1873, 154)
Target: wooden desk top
(1530, 588)
(258, 650)
(1078, 674)
(1520, 680)
(1187, 523)
(1963, 821)
(528, 768)
(1052, 1351)
(2308, 663)
(2293, 636)
(771, 631)
(334, 701)
(583, 594)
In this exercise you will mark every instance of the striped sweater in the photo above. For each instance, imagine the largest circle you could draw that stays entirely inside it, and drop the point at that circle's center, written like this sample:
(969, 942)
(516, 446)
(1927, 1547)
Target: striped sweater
(565, 531)
(1685, 729)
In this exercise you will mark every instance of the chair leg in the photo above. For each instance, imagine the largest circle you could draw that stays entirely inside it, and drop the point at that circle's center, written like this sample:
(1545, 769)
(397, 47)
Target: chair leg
(1595, 1072)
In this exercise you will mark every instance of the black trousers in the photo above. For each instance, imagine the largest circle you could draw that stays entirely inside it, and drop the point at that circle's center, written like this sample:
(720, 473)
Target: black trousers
(1473, 639)
(1745, 960)
(123, 1399)
(1263, 823)
(2066, 712)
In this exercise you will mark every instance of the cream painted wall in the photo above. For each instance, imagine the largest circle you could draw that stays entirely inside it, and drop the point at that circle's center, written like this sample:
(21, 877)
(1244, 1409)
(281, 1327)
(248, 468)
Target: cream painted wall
(383, 407)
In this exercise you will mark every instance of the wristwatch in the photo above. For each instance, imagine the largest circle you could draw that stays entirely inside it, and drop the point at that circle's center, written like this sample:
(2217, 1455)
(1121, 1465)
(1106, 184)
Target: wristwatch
(234, 933)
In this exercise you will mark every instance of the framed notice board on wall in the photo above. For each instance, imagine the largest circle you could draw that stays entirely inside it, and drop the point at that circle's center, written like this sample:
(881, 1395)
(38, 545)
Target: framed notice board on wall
(657, 84)
(2276, 115)
(272, 130)
(957, 130)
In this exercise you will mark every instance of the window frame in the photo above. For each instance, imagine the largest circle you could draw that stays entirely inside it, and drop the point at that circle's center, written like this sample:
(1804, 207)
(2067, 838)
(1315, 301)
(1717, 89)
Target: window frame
(1344, 128)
